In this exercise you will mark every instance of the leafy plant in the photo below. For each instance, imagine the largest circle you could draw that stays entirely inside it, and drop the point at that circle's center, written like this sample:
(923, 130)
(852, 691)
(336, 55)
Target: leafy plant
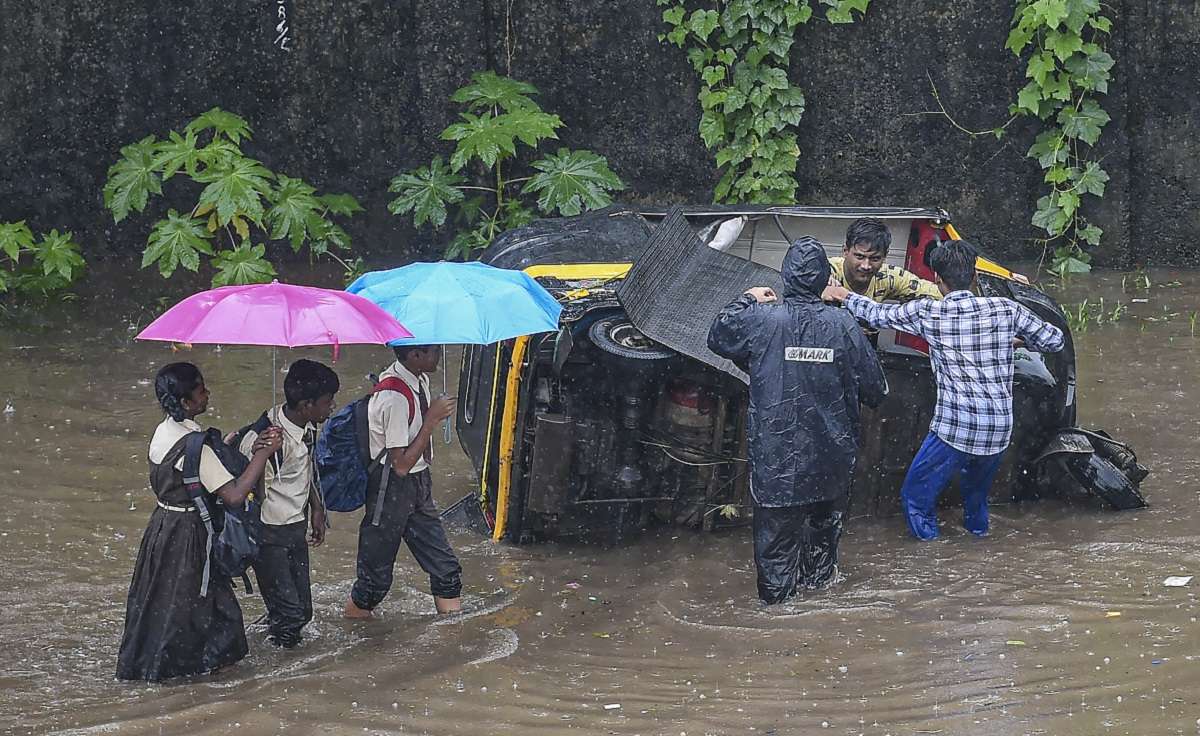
(500, 118)
(238, 196)
(741, 50)
(37, 266)
(1068, 69)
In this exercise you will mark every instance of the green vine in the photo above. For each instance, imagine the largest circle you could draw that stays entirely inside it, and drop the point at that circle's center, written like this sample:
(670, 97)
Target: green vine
(1067, 69)
(749, 108)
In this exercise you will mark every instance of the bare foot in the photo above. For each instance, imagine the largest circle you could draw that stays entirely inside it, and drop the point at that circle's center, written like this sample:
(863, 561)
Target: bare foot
(447, 605)
(354, 612)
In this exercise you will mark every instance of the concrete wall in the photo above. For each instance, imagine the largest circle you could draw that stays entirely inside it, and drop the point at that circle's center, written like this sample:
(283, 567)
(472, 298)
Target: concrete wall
(363, 94)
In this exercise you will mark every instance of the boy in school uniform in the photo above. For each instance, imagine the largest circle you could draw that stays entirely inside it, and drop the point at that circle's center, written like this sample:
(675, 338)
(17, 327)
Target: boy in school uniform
(400, 507)
(291, 500)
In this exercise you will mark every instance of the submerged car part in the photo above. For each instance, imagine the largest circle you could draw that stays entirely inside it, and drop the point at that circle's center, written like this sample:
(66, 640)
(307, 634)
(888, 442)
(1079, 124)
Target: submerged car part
(1099, 465)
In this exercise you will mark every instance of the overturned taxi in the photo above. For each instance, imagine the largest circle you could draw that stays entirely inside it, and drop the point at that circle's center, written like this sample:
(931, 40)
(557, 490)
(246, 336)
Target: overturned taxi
(624, 418)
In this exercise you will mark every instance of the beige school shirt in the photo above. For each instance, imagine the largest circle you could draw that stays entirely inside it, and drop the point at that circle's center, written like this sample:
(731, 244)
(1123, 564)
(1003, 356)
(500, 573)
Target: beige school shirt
(213, 474)
(388, 418)
(287, 490)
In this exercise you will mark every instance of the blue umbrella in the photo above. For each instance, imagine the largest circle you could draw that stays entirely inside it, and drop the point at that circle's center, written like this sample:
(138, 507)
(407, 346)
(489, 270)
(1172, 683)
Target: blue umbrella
(449, 303)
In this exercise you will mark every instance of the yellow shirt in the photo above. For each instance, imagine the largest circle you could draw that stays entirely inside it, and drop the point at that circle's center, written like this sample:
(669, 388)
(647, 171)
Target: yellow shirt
(892, 283)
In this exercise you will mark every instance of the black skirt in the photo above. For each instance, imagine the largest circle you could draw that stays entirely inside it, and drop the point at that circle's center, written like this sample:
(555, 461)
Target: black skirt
(170, 630)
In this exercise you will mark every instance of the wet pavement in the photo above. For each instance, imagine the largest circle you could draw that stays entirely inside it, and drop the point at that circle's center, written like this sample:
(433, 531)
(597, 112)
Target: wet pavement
(1058, 623)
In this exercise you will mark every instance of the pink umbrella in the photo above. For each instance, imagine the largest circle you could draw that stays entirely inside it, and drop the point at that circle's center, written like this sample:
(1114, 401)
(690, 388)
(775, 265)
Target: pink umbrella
(275, 314)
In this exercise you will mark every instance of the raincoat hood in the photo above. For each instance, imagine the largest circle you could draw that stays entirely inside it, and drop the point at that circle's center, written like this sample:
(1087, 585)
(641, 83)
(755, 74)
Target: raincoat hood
(805, 270)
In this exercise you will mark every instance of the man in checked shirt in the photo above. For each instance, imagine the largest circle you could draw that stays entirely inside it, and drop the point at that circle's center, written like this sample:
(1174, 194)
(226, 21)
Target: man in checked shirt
(971, 342)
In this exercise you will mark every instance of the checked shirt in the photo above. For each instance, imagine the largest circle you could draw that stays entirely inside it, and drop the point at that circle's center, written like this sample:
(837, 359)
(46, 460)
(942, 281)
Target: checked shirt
(970, 347)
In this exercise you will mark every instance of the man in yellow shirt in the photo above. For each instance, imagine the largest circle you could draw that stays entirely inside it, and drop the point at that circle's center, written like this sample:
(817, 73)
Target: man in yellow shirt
(861, 267)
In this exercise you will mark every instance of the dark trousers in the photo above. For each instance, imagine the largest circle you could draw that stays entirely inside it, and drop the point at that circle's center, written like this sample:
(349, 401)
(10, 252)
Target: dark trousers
(282, 572)
(795, 547)
(931, 471)
(408, 515)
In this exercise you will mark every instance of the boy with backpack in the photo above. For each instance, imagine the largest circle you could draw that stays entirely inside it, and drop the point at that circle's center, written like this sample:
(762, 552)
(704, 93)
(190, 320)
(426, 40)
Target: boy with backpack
(400, 423)
(291, 498)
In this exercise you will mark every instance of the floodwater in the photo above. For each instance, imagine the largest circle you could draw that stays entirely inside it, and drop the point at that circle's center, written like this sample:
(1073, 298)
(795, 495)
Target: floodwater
(1058, 623)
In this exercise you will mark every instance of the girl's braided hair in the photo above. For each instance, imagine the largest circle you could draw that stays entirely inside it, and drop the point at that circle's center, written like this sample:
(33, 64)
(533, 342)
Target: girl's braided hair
(173, 384)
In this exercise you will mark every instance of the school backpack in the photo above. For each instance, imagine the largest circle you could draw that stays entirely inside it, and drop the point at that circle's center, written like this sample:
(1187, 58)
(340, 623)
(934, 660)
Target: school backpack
(232, 531)
(343, 449)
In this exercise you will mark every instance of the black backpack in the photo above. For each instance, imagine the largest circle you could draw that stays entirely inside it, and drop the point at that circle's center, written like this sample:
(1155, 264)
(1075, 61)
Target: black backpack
(233, 532)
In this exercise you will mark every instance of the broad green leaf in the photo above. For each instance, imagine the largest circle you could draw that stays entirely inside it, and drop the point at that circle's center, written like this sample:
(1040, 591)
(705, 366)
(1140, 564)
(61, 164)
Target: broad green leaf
(1058, 87)
(340, 204)
(324, 235)
(291, 204)
(177, 240)
(1018, 38)
(1051, 12)
(572, 181)
(674, 16)
(1058, 174)
(1068, 202)
(1084, 124)
(222, 123)
(5, 281)
(494, 138)
(532, 127)
(489, 90)
(132, 179)
(1090, 234)
(713, 75)
(59, 254)
(483, 137)
(1063, 44)
(236, 189)
(1049, 148)
(1040, 66)
(1100, 23)
(1092, 180)
(1091, 72)
(703, 23)
(712, 128)
(1030, 98)
(175, 153)
(219, 153)
(14, 238)
(425, 192)
(1049, 216)
(245, 264)
(841, 10)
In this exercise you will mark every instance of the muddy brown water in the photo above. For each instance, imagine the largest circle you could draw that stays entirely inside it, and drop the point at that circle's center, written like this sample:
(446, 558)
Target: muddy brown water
(1058, 623)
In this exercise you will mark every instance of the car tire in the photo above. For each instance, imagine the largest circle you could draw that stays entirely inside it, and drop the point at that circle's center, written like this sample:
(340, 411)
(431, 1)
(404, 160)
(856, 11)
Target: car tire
(618, 336)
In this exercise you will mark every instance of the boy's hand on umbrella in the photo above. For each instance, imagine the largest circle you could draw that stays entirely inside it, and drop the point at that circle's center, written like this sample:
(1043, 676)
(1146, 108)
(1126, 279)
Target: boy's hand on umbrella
(443, 407)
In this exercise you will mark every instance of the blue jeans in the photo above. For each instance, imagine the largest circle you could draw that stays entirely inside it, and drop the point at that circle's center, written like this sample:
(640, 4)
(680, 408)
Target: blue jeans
(931, 471)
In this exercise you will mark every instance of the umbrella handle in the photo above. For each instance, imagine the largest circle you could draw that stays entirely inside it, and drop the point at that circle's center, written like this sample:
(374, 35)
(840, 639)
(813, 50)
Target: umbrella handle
(446, 431)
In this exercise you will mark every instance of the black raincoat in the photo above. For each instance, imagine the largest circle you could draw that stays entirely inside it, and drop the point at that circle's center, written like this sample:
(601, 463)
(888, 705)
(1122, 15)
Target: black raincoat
(810, 365)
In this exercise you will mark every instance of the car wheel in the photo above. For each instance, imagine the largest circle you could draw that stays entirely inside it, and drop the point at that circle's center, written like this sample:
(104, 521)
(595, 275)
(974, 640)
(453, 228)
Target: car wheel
(618, 336)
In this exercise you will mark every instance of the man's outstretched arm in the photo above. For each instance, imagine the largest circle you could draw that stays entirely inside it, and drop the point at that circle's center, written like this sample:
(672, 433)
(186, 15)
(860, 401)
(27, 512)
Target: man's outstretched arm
(903, 317)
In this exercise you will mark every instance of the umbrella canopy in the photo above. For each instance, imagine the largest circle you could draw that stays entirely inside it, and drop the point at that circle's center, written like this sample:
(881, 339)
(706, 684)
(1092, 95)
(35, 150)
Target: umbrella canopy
(461, 303)
(275, 314)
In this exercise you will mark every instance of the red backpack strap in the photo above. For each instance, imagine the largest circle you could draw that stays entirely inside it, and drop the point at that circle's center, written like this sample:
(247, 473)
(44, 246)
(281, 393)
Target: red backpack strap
(399, 386)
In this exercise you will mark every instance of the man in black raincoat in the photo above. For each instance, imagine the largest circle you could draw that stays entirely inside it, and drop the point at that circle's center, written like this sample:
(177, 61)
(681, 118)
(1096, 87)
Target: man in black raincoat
(810, 365)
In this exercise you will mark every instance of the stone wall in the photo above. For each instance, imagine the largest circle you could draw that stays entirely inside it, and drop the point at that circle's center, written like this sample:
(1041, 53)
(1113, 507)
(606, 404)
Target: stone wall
(364, 91)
